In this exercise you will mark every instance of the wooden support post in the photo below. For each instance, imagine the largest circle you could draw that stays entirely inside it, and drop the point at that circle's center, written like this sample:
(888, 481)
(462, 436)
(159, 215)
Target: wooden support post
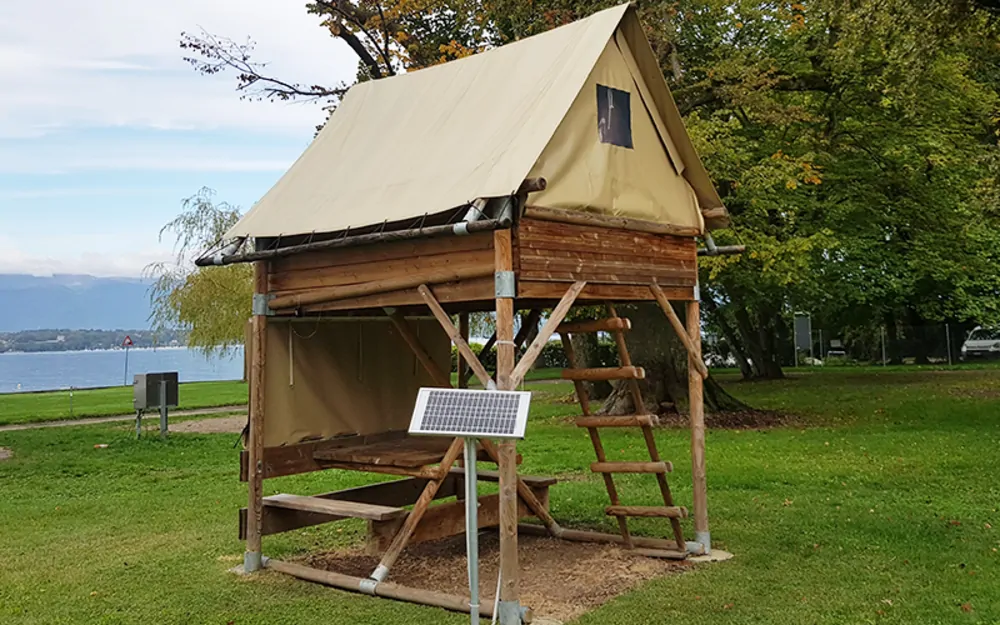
(399, 542)
(535, 350)
(694, 354)
(255, 437)
(463, 366)
(510, 607)
(440, 378)
(697, 409)
(456, 336)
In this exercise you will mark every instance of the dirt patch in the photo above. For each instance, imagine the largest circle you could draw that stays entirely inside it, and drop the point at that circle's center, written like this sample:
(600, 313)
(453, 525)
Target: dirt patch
(6, 453)
(559, 579)
(976, 393)
(219, 425)
(733, 420)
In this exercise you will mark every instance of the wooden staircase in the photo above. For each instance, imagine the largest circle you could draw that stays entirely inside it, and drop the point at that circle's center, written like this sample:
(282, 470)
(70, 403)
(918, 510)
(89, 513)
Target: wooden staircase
(617, 326)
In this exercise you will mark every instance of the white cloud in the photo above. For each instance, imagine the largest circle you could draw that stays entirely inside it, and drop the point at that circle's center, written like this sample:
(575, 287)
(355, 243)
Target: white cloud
(117, 63)
(122, 263)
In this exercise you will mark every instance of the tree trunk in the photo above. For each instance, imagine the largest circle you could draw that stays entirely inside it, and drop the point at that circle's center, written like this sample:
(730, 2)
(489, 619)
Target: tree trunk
(587, 352)
(735, 346)
(654, 346)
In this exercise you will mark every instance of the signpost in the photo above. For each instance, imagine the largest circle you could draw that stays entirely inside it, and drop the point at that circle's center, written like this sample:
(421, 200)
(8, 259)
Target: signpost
(127, 343)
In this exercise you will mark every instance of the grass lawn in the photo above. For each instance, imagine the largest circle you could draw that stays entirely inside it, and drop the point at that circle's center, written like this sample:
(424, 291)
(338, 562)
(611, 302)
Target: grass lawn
(880, 506)
(56, 405)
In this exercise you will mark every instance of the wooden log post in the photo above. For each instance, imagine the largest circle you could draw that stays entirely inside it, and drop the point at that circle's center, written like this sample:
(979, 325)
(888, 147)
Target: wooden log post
(697, 410)
(463, 366)
(255, 437)
(510, 607)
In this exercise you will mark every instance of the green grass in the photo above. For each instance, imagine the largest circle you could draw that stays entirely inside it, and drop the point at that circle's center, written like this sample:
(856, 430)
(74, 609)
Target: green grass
(879, 506)
(56, 405)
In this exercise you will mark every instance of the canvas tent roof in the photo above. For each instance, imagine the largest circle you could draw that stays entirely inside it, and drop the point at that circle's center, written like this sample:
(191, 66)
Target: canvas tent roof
(438, 138)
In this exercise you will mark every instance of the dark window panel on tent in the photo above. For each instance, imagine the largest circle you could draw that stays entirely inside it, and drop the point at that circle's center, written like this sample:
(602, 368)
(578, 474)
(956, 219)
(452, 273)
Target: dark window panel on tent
(614, 116)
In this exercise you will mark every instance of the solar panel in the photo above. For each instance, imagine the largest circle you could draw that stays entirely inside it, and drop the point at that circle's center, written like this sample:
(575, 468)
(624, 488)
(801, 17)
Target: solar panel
(463, 412)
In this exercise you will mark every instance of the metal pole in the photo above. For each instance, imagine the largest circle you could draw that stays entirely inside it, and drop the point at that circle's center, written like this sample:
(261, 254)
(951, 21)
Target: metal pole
(947, 338)
(821, 343)
(163, 408)
(882, 332)
(125, 381)
(472, 528)
(71, 401)
(795, 344)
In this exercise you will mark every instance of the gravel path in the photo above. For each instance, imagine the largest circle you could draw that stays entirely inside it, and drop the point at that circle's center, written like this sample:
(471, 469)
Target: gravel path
(112, 419)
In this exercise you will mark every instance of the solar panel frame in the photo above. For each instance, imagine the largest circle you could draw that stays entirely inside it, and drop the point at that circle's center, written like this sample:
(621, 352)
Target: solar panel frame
(470, 413)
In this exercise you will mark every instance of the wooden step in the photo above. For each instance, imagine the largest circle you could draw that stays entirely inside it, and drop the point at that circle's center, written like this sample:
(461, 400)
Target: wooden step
(631, 467)
(613, 324)
(604, 373)
(663, 512)
(333, 507)
(636, 420)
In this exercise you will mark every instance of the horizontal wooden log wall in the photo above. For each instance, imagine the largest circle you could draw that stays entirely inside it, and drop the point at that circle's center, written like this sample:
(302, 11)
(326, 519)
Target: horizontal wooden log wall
(615, 263)
(371, 268)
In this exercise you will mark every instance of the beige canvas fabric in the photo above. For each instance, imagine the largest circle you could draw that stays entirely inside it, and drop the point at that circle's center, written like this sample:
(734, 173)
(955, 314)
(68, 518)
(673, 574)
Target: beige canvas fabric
(642, 182)
(352, 376)
(432, 140)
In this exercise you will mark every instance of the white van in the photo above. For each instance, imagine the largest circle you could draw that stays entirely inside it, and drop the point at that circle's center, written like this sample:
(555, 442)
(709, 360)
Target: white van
(982, 343)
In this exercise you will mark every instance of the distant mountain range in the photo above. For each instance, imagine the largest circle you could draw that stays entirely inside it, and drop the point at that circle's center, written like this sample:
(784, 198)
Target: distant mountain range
(73, 302)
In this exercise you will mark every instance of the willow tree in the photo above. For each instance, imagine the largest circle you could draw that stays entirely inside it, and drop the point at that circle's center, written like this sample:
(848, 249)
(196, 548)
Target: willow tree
(213, 304)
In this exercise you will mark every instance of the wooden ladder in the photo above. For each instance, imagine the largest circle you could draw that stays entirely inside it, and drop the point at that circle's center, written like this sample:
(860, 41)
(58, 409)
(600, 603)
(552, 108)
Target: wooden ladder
(617, 326)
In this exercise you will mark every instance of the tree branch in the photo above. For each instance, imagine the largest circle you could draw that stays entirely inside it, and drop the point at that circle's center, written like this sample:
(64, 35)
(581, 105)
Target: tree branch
(216, 54)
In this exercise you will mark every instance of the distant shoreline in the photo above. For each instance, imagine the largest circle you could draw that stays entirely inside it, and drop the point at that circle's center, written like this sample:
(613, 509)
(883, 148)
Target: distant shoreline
(88, 351)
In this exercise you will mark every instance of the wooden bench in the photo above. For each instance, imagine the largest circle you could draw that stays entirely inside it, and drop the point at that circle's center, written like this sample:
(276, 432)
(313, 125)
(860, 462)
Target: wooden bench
(383, 505)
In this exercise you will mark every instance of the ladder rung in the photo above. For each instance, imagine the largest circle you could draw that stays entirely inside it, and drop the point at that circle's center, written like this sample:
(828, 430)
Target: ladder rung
(613, 324)
(637, 420)
(631, 467)
(604, 373)
(663, 512)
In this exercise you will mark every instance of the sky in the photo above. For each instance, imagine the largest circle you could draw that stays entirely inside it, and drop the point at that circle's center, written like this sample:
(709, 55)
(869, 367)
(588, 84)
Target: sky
(104, 128)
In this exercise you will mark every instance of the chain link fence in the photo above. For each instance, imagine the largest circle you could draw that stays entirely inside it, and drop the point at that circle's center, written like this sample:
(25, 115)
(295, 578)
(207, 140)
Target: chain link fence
(936, 344)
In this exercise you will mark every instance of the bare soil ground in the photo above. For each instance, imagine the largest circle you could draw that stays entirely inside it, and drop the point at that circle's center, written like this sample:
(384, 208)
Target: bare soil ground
(559, 579)
(220, 425)
(6, 453)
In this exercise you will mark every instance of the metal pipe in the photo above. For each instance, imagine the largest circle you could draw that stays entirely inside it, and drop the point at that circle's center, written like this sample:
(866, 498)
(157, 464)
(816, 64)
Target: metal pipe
(475, 213)
(722, 250)
(388, 590)
(472, 528)
(229, 250)
(710, 244)
(352, 241)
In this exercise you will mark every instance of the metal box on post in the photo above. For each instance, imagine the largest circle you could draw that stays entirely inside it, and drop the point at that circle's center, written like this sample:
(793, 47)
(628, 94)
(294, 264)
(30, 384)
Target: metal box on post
(146, 390)
(154, 390)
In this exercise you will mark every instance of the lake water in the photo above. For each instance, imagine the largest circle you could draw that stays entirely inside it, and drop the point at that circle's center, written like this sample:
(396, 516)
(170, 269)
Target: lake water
(42, 371)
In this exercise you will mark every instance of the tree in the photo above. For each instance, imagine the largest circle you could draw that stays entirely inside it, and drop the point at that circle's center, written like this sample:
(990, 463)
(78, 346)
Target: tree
(212, 304)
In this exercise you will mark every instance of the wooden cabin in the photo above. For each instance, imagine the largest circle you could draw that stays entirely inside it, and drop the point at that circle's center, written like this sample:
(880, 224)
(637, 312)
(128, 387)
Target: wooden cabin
(547, 173)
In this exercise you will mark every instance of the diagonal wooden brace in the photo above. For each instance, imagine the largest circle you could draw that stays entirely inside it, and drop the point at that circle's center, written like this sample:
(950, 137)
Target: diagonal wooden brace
(456, 337)
(419, 508)
(524, 491)
(535, 350)
(406, 331)
(668, 310)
